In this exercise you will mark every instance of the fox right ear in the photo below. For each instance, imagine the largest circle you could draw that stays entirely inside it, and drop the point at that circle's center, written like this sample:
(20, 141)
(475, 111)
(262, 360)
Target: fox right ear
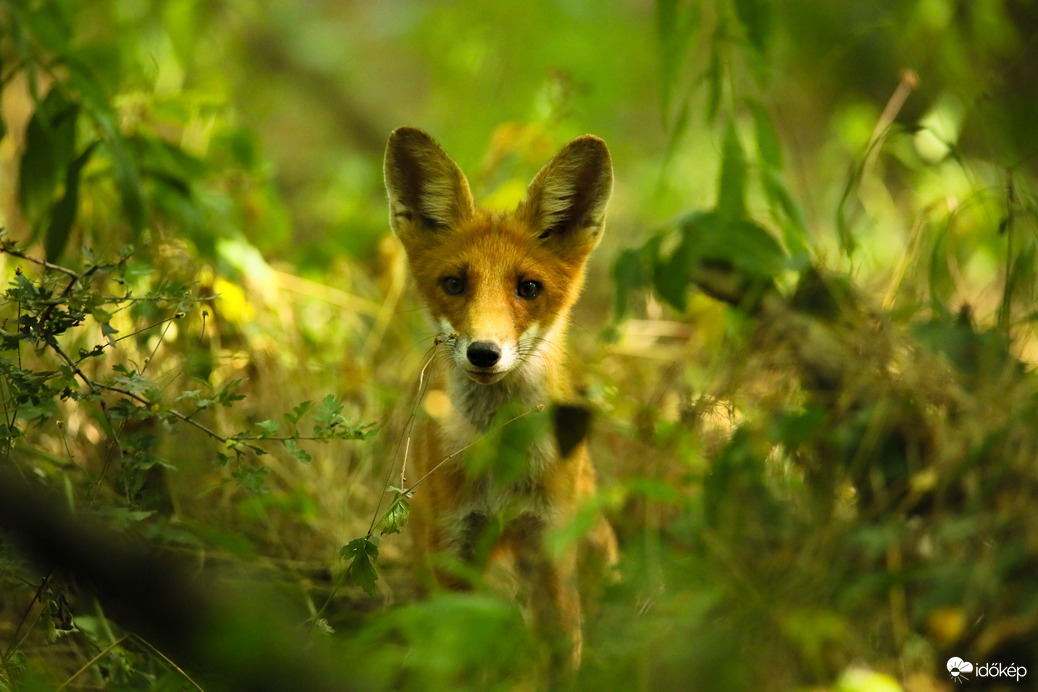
(566, 202)
(427, 191)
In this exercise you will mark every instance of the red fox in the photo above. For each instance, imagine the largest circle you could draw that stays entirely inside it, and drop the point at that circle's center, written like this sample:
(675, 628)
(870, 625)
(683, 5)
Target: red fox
(499, 288)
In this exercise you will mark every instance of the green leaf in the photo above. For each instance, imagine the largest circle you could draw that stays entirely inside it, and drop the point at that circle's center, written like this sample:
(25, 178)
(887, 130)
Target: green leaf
(299, 454)
(328, 415)
(132, 381)
(48, 27)
(713, 238)
(127, 177)
(768, 146)
(739, 243)
(362, 554)
(50, 140)
(715, 83)
(678, 129)
(396, 515)
(756, 19)
(298, 412)
(227, 394)
(731, 193)
(267, 428)
(675, 27)
(63, 214)
(252, 478)
(672, 276)
(790, 216)
(631, 272)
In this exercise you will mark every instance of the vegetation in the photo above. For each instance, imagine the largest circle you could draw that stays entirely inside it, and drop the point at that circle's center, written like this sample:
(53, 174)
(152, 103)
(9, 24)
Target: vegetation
(809, 339)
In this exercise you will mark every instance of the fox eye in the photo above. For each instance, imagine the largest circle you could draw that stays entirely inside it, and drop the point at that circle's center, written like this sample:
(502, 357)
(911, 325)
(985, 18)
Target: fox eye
(528, 290)
(452, 285)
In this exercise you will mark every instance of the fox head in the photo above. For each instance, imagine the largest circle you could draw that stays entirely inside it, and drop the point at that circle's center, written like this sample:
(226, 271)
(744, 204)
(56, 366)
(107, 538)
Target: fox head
(499, 286)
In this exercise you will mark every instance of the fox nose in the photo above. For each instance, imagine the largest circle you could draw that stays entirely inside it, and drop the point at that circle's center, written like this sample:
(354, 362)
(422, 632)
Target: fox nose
(483, 354)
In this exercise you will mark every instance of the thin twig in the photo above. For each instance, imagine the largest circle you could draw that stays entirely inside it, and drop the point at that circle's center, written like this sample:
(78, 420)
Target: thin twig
(419, 394)
(909, 82)
(535, 409)
(15, 641)
(53, 343)
(43, 263)
(409, 427)
(166, 660)
(100, 347)
(86, 666)
(173, 412)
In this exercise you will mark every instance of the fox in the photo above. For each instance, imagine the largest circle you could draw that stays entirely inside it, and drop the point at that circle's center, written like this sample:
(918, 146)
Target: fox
(499, 288)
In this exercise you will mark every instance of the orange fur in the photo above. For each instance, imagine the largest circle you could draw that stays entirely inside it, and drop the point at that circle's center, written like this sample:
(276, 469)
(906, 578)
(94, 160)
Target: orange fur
(499, 288)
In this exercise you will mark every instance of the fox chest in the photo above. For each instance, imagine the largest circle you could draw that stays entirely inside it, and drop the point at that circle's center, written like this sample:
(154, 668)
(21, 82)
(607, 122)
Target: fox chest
(496, 478)
(500, 479)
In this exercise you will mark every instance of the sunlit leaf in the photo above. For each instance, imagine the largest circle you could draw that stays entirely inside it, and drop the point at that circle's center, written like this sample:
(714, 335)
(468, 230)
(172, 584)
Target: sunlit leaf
(267, 428)
(396, 516)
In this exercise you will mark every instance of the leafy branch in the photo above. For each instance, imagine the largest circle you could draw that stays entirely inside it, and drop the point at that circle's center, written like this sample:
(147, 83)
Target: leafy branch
(48, 309)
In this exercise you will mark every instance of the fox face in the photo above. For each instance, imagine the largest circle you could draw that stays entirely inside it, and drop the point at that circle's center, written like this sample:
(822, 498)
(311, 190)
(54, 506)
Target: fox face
(499, 286)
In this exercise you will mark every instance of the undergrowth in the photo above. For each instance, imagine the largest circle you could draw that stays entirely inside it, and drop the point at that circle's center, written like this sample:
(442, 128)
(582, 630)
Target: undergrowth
(820, 463)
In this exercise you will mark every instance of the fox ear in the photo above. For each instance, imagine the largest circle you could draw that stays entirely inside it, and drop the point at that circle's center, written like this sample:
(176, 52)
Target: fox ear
(566, 202)
(427, 191)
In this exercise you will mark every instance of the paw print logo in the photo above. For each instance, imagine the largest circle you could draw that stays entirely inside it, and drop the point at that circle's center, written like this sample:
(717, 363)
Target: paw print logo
(958, 668)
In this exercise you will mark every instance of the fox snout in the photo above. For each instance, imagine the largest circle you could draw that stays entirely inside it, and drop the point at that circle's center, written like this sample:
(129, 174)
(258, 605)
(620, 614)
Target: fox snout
(483, 354)
(483, 360)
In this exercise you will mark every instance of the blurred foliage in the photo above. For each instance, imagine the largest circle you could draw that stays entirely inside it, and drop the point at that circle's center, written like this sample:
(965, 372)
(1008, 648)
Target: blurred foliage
(816, 397)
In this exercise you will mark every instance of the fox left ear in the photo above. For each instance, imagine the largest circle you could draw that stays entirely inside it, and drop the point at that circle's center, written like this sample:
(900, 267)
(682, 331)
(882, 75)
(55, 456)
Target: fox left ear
(566, 202)
(428, 193)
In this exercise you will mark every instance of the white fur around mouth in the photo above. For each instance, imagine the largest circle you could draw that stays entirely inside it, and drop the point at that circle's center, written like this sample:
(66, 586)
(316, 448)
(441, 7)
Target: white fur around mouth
(485, 376)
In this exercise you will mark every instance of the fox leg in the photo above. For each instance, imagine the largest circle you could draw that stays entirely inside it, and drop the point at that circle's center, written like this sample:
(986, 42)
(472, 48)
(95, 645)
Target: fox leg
(553, 594)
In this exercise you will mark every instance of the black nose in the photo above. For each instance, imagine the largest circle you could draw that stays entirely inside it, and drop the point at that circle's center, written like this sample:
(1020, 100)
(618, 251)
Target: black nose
(483, 354)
